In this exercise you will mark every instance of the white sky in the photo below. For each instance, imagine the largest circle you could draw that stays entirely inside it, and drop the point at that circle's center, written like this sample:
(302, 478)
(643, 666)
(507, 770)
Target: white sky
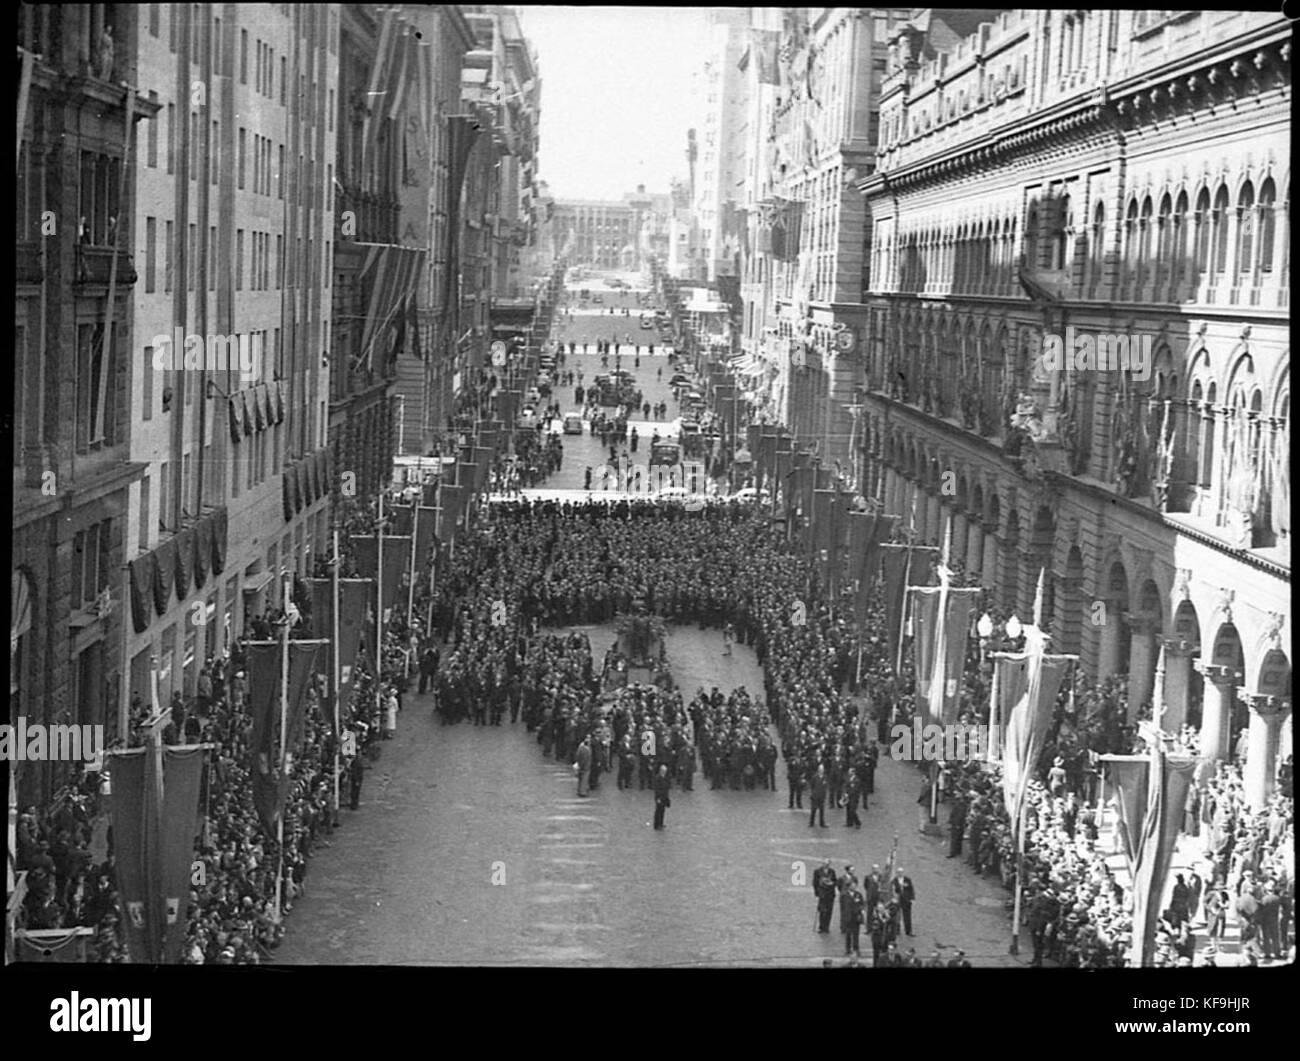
(616, 95)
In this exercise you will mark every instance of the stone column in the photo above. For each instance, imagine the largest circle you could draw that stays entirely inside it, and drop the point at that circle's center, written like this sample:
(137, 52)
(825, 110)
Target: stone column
(1108, 655)
(1141, 662)
(974, 547)
(958, 535)
(1267, 714)
(1216, 713)
(989, 565)
(1178, 684)
(934, 520)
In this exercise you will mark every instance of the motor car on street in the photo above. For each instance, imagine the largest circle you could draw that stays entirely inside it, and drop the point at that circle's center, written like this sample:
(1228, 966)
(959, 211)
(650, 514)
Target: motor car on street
(573, 424)
(527, 418)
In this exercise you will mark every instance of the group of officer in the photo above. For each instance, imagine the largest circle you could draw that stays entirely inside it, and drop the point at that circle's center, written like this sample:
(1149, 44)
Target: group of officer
(881, 902)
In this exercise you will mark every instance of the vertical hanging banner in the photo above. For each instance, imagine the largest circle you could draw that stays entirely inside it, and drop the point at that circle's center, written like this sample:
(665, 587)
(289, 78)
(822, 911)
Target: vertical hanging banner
(365, 555)
(351, 606)
(401, 522)
(452, 502)
(127, 807)
(263, 749)
(1169, 779)
(178, 827)
(424, 528)
(1125, 784)
(397, 567)
(924, 609)
(354, 593)
(1027, 725)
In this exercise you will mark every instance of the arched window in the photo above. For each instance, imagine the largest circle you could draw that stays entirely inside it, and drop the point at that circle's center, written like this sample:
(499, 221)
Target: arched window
(1246, 230)
(1164, 239)
(1219, 230)
(1031, 239)
(1178, 235)
(1266, 226)
(1062, 244)
(1209, 423)
(1201, 250)
(1097, 242)
(1144, 242)
(1130, 238)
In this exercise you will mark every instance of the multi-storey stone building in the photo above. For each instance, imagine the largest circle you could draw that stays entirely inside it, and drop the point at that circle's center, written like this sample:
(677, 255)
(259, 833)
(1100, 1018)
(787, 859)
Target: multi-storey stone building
(596, 232)
(1113, 180)
(814, 77)
(233, 225)
(86, 129)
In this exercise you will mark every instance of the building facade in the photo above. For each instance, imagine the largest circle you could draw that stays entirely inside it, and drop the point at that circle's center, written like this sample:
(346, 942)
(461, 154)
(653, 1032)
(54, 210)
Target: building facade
(83, 128)
(1084, 182)
(229, 381)
(815, 77)
(596, 232)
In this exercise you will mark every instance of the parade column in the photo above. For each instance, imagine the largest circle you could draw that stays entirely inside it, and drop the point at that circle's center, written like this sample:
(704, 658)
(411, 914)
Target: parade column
(1266, 716)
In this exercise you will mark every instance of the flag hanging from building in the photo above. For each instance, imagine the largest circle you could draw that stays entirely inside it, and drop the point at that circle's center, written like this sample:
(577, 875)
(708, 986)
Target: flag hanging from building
(1027, 725)
(353, 595)
(397, 568)
(1125, 784)
(179, 825)
(1168, 781)
(940, 648)
(263, 749)
(401, 521)
(155, 821)
(131, 856)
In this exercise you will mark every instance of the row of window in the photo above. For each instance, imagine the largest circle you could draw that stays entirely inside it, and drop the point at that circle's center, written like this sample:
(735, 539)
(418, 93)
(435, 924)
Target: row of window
(1161, 246)
(257, 256)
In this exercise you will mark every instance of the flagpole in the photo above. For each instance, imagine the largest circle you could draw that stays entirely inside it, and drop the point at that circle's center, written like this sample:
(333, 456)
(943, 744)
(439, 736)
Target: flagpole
(1020, 874)
(379, 609)
(939, 673)
(336, 674)
(284, 715)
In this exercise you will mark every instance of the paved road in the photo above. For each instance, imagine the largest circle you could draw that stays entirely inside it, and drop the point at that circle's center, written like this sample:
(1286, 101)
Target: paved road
(471, 848)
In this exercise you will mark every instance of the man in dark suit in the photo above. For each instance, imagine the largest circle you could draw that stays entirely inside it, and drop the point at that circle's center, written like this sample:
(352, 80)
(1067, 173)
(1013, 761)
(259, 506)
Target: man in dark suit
(663, 785)
(853, 794)
(1270, 906)
(823, 883)
(794, 776)
(817, 796)
(904, 895)
(851, 905)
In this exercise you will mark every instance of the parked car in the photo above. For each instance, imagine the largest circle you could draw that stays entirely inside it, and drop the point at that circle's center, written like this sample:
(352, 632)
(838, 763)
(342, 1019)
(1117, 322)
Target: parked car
(647, 323)
(533, 397)
(573, 424)
(527, 419)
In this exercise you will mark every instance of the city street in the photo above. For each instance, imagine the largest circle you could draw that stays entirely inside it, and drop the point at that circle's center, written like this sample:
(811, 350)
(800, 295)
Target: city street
(471, 848)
